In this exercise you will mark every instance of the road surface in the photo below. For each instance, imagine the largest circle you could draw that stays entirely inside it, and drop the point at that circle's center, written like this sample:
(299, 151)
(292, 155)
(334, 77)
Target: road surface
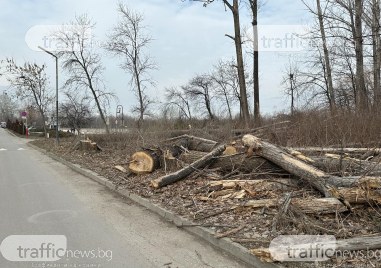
(39, 196)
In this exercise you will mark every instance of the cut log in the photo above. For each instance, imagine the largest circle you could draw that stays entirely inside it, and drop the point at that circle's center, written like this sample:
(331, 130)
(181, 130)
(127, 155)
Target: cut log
(356, 181)
(228, 163)
(359, 243)
(184, 172)
(337, 150)
(336, 164)
(361, 195)
(299, 155)
(280, 157)
(308, 206)
(258, 185)
(143, 162)
(230, 150)
(193, 143)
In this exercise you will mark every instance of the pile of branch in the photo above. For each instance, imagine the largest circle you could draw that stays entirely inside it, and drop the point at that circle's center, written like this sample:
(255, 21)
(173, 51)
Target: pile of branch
(183, 155)
(252, 173)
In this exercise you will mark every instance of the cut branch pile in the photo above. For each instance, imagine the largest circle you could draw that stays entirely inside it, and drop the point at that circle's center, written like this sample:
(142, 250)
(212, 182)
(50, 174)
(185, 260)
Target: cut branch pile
(251, 173)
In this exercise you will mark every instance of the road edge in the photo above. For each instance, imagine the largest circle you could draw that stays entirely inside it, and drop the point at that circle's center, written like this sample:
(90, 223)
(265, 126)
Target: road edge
(224, 244)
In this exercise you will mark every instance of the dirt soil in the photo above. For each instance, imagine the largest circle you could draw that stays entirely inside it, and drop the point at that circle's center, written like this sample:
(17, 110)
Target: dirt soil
(193, 199)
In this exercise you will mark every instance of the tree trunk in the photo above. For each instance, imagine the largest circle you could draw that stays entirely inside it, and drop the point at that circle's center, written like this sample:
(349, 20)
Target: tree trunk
(360, 75)
(240, 162)
(331, 92)
(258, 185)
(208, 107)
(254, 10)
(308, 206)
(278, 156)
(358, 243)
(144, 162)
(183, 173)
(337, 150)
(376, 52)
(347, 165)
(241, 70)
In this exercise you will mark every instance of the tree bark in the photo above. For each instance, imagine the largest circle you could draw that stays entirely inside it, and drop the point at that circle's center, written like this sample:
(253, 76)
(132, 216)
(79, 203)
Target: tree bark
(347, 165)
(259, 185)
(241, 70)
(327, 62)
(376, 14)
(278, 156)
(337, 150)
(359, 243)
(254, 11)
(183, 173)
(359, 50)
(308, 206)
(240, 162)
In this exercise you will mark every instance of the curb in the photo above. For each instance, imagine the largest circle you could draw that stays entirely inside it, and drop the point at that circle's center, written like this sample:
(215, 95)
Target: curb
(224, 244)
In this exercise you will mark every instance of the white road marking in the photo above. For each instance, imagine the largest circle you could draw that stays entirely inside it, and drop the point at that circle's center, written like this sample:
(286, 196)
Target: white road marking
(3, 149)
(21, 149)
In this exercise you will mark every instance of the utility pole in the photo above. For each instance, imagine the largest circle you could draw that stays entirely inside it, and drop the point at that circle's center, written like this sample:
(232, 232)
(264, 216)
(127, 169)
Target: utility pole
(55, 56)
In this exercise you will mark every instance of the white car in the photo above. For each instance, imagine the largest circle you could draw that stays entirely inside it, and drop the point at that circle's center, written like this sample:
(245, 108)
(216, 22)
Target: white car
(3, 124)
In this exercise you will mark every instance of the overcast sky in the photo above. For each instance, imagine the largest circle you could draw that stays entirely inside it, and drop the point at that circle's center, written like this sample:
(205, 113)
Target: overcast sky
(188, 39)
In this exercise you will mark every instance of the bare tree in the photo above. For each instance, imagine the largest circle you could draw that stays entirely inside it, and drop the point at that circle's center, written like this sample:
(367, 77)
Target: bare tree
(128, 39)
(30, 81)
(225, 78)
(237, 38)
(200, 89)
(82, 62)
(177, 98)
(372, 18)
(76, 110)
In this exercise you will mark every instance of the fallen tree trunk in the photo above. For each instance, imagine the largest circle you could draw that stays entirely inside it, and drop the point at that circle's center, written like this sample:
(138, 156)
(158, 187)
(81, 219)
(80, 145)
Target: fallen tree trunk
(240, 162)
(182, 173)
(308, 206)
(360, 195)
(337, 150)
(304, 171)
(258, 185)
(335, 164)
(359, 243)
(356, 181)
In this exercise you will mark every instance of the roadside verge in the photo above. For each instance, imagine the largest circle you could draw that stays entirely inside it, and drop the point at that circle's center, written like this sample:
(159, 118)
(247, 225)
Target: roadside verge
(225, 244)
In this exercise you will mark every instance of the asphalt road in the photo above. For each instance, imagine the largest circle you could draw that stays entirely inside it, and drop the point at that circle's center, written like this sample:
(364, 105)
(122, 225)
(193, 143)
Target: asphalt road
(39, 196)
